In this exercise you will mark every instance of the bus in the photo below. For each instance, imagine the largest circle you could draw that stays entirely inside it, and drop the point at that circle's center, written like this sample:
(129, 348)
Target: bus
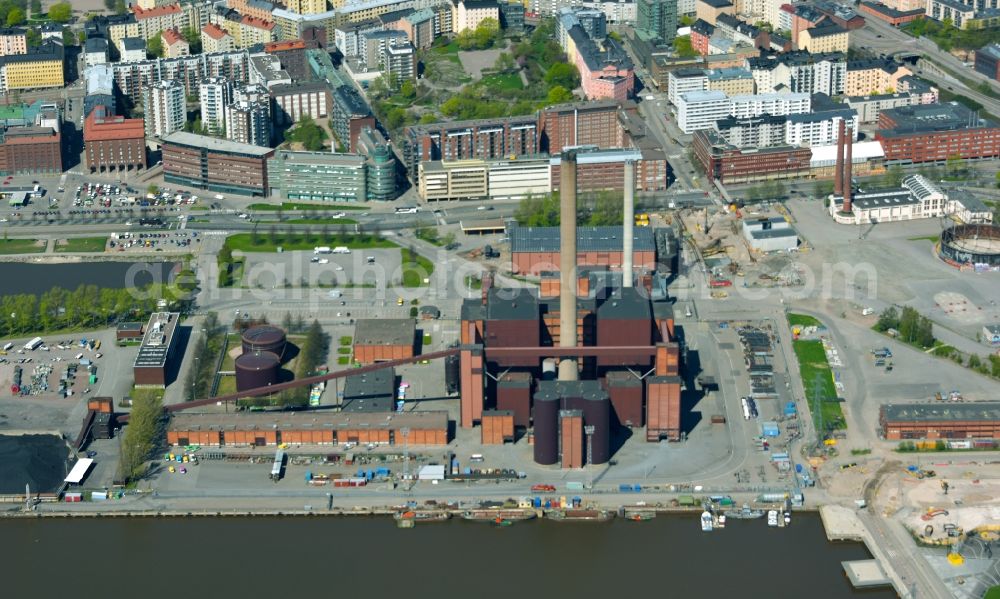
(33, 344)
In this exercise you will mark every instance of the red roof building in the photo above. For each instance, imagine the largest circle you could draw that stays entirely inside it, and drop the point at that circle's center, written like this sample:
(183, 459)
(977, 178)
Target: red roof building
(113, 143)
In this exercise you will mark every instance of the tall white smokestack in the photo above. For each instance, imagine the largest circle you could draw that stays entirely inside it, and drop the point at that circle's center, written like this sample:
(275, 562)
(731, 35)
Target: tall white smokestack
(567, 262)
(628, 223)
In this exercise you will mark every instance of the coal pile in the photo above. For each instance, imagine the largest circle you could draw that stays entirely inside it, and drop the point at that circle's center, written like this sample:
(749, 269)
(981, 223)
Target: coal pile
(36, 460)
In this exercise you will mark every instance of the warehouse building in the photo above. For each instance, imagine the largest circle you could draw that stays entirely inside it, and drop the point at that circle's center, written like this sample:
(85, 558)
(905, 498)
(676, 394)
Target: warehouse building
(246, 429)
(536, 249)
(770, 234)
(941, 420)
(215, 164)
(382, 339)
(154, 361)
(727, 163)
(373, 391)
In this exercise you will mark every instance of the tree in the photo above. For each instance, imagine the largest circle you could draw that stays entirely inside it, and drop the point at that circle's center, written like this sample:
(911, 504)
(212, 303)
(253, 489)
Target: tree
(683, 47)
(33, 38)
(408, 90)
(61, 12)
(607, 211)
(430, 117)
(120, 7)
(139, 439)
(153, 189)
(893, 176)
(154, 46)
(192, 35)
(36, 8)
(559, 95)
(81, 37)
(396, 118)
(69, 38)
(109, 4)
(888, 319)
(563, 74)
(954, 165)
(823, 188)
(538, 211)
(505, 63)
(15, 17)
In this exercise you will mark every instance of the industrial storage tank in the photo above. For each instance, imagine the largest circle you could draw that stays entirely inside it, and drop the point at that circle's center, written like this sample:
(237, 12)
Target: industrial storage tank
(264, 338)
(597, 413)
(256, 369)
(546, 426)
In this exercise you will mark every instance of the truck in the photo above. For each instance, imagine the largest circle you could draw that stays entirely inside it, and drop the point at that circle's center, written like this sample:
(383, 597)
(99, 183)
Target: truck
(33, 344)
(279, 462)
(340, 249)
(322, 250)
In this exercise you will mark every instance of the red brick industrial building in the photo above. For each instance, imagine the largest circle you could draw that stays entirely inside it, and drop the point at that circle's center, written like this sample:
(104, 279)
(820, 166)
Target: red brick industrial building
(30, 150)
(113, 143)
(889, 14)
(246, 429)
(729, 164)
(935, 133)
(941, 420)
(383, 339)
(535, 250)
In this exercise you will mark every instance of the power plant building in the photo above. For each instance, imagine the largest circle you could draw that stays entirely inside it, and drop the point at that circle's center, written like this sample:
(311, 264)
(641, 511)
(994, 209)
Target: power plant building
(156, 354)
(536, 249)
(383, 339)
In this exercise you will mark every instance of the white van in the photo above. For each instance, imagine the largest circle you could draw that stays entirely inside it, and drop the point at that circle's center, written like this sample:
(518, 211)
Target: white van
(322, 250)
(341, 250)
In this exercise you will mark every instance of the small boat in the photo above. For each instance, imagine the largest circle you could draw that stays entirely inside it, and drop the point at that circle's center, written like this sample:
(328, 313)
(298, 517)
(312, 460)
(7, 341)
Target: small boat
(788, 517)
(706, 521)
(580, 515)
(501, 523)
(640, 516)
(745, 513)
(722, 521)
(422, 515)
(772, 517)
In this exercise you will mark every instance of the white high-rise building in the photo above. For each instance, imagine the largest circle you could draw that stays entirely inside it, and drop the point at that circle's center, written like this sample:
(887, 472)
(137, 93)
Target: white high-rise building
(701, 109)
(165, 108)
(215, 95)
(248, 118)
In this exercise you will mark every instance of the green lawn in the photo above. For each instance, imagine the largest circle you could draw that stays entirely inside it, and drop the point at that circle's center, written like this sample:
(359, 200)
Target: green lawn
(227, 385)
(503, 81)
(930, 238)
(344, 351)
(803, 320)
(473, 282)
(414, 274)
(292, 206)
(993, 593)
(229, 363)
(427, 339)
(21, 246)
(322, 221)
(144, 394)
(812, 361)
(449, 48)
(242, 241)
(345, 340)
(343, 360)
(82, 244)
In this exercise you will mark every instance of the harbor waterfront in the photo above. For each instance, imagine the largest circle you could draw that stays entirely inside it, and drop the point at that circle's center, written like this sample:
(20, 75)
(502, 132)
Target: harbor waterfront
(553, 559)
(37, 278)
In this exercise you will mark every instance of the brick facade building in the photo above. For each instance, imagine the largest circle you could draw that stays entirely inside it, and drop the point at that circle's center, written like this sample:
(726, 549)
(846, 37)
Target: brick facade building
(215, 164)
(113, 143)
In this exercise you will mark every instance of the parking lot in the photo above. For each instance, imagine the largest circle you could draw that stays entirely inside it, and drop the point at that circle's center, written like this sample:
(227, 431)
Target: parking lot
(172, 241)
(61, 368)
(360, 268)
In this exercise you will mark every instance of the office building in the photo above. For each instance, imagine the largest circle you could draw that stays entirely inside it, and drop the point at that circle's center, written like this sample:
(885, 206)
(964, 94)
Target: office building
(30, 140)
(295, 101)
(155, 360)
(215, 164)
(380, 165)
(656, 20)
(165, 108)
(682, 81)
(727, 163)
(317, 176)
(460, 140)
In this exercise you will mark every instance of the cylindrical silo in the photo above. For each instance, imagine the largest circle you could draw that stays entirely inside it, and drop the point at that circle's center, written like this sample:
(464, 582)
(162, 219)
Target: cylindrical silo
(597, 414)
(546, 427)
(256, 369)
(263, 338)
(549, 367)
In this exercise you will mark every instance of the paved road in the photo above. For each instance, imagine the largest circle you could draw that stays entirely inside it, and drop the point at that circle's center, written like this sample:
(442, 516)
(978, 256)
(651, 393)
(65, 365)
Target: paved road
(904, 556)
(881, 37)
